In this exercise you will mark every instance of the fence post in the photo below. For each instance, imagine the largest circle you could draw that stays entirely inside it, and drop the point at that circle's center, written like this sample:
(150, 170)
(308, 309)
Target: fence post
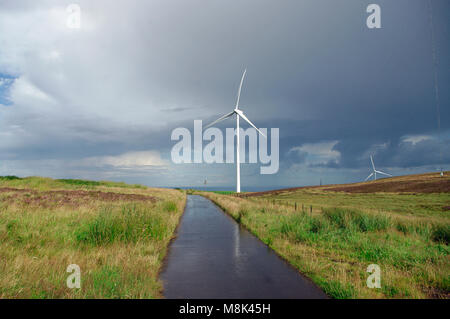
(311, 210)
(295, 206)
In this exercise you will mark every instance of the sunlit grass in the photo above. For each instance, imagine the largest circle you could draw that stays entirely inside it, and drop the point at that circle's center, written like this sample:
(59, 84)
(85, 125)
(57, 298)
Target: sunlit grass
(41, 183)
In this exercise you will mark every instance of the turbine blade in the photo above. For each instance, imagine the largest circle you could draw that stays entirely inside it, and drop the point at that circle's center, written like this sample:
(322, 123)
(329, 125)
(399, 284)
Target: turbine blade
(371, 159)
(380, 172)
(241, 114)
(240, 88)
(368, 177)
(220, 119)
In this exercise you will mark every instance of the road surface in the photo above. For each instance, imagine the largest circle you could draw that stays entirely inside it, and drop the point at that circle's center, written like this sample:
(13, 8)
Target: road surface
(215, 257)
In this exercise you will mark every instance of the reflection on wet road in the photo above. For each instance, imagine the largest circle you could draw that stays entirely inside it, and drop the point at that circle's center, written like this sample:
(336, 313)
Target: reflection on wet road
(213, 257)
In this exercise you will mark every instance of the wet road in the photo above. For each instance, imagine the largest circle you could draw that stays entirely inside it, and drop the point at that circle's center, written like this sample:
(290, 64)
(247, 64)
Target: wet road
(214, 257)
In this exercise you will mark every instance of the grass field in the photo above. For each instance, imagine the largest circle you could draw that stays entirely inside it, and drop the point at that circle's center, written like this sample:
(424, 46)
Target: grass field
(333, 233)
(116, 233)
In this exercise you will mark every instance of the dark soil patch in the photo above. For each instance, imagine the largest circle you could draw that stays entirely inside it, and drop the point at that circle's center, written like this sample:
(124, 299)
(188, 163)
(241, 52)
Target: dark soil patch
(408, 185)
(436, 293)
(435, 186)
(67, 197)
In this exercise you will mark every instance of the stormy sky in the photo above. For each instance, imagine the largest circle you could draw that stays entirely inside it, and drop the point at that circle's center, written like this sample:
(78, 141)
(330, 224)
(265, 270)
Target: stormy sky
(101, 101)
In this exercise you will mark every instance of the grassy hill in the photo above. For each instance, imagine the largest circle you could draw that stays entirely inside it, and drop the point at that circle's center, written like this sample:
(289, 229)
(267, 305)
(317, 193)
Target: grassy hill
(116, 233)
(333, 233)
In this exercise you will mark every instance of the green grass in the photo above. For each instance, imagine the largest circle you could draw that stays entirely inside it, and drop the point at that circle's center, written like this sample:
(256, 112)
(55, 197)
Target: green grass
(224, 192)
(193, 191)
(86, 183)
(80, 182)
(337, 290)
(354, 220)
(170, 206)
(419, 205)
(9, 178)
(105, 281)
(441, 234)
(40, 183)
(131, 224)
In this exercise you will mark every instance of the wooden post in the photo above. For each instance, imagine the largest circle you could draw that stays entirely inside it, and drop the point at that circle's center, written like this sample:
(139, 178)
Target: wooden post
(311, 210)
(295, 206)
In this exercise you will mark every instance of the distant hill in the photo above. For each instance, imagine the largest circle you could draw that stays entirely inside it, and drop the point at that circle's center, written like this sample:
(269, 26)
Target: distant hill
(419, 183)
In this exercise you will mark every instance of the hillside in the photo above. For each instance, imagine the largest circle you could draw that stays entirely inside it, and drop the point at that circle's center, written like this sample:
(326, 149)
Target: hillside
(421, 183)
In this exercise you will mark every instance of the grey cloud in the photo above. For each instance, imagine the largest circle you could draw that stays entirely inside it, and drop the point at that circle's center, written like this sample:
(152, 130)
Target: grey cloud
(139, 69)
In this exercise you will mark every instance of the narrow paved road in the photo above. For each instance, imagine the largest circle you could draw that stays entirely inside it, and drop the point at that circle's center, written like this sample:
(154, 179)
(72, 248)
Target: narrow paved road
(214, 257)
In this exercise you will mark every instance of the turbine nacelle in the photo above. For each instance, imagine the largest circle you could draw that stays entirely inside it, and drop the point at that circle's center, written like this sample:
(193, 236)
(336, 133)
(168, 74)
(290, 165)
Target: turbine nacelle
(375, 171)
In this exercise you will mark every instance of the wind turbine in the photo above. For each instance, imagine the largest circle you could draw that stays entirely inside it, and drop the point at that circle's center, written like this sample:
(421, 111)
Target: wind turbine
(239, 114)
(375, 171)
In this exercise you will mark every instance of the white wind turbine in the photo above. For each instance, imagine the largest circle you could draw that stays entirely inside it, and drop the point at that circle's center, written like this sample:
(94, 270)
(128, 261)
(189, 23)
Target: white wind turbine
(239, 114)
(375, 171)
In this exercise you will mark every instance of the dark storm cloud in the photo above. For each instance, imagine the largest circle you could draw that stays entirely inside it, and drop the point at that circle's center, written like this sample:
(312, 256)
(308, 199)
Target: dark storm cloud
(139, 69)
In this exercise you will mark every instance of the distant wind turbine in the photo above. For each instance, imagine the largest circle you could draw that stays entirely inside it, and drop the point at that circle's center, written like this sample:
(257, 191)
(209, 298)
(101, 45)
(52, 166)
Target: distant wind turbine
(239, 114)
(374, 173)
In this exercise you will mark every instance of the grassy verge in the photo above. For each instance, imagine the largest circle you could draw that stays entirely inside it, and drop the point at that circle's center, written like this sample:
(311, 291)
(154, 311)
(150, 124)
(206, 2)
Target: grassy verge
(116, 233)
(334, 242)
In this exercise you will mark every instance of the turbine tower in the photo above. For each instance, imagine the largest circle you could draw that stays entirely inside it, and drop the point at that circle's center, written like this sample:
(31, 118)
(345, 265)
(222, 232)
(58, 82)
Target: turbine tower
(239, 114)
(375, 171)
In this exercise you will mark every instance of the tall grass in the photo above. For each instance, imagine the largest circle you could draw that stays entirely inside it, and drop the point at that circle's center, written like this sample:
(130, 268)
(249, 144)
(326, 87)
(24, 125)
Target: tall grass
(441, 234)
(334, 223)
(9, 178)
(170, 206)
(130, 224)
(356, 220)
(87, 183)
